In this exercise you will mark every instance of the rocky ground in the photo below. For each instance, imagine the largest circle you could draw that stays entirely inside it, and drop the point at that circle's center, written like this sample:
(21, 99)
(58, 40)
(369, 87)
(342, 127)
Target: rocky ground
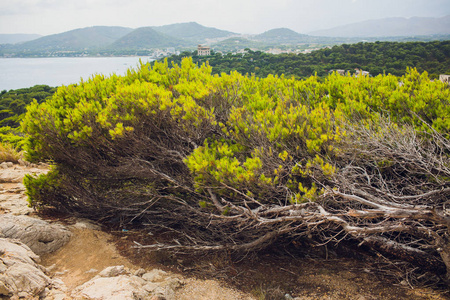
(67, 258)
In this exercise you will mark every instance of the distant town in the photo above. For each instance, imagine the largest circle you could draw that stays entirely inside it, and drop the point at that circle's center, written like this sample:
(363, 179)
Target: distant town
(159, 53)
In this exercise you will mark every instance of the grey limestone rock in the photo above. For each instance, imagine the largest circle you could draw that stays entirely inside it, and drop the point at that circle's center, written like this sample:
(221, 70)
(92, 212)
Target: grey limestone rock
(112, 271)
(41, 236)
(6, 165)
(20, 273)
(154, 275)
(119, 287)
(117, 282)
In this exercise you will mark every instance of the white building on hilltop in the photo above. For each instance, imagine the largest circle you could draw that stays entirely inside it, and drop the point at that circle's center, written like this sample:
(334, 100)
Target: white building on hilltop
(203, 50)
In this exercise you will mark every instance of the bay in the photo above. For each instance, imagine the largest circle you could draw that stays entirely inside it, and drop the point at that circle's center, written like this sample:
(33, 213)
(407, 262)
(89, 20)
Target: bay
(18, 73)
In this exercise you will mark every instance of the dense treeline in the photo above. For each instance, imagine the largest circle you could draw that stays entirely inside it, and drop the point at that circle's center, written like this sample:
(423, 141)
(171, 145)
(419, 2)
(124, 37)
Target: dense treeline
(376, 58)
(13, 103)
(237, 163)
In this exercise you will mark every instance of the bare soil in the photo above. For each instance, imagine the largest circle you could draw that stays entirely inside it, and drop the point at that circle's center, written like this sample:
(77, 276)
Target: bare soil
(278, 273)
(87, 253)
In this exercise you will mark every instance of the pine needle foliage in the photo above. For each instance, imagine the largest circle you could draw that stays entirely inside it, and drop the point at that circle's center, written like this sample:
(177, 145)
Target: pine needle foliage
(236, 161)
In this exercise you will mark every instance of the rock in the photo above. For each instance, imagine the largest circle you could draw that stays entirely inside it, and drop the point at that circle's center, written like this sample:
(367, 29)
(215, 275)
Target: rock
(15, 204)
(85, 224)
(90, 271)
(112, 271)
(23, 162)
(15, 173)
(6, 165)
(20, 274)
(139, 272)
(162, 286)
(154, 288)
(56, 291)
(173, 283)
(41, 236)
(118, 283)
(118, 287)
(59, 285)
(154, 275)
(11, 176)
(18, 189)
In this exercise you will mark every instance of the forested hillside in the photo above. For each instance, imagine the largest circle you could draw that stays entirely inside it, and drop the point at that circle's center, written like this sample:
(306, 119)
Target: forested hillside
(192, 31)
(376, 58)
(78, 39)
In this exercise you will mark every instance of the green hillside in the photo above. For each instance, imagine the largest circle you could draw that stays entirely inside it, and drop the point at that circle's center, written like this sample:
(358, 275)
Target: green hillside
(78, 39)
(282, 36)
(192, 31)
(237, 43)
(146, 38)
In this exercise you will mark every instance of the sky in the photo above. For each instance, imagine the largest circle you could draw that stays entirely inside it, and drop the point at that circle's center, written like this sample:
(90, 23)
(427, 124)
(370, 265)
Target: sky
(241, 16)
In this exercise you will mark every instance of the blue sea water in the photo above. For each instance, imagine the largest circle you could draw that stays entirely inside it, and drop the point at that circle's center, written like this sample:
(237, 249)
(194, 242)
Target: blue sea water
(18, 73)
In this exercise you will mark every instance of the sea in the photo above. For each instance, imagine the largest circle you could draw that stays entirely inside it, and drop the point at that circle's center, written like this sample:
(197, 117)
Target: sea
(16, 73)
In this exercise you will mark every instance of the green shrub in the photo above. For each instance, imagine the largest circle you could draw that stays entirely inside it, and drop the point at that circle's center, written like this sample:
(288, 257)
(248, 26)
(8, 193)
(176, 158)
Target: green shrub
(239, 161)
(13, 137)
(268, 138)
(40, 187)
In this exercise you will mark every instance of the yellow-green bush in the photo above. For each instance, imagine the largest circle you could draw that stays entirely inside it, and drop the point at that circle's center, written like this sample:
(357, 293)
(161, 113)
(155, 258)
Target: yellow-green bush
(269, 138)
(235, 161)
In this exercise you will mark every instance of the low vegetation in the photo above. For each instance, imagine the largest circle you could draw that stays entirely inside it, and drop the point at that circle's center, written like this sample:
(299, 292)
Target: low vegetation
(237, 163)
(9, 154)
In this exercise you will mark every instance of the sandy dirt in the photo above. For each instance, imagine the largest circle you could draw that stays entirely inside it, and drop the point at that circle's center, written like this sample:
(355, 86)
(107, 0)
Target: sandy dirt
(87, 253)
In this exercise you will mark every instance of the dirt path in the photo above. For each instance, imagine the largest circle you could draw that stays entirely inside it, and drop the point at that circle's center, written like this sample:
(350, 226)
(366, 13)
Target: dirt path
(87, 253)
(90, 250)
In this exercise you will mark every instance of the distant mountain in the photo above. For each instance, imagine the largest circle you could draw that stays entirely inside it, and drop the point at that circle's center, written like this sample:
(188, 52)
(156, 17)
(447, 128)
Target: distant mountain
(146, 38)
(281, 36)
(193, 32)
(110, 40)
(237, 43)
(78, 39)
(390, 27)
(17, 38)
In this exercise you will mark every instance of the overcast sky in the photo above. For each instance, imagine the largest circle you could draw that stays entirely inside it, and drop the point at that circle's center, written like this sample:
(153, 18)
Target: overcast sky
(241, 16)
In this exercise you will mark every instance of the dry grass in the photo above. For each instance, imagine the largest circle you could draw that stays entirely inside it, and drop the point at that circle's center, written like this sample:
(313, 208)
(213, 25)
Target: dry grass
(9, 153)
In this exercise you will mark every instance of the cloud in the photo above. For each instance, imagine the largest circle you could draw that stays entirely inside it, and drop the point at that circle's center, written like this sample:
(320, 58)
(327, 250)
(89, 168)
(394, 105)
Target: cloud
(26, 7)
(242, 16)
